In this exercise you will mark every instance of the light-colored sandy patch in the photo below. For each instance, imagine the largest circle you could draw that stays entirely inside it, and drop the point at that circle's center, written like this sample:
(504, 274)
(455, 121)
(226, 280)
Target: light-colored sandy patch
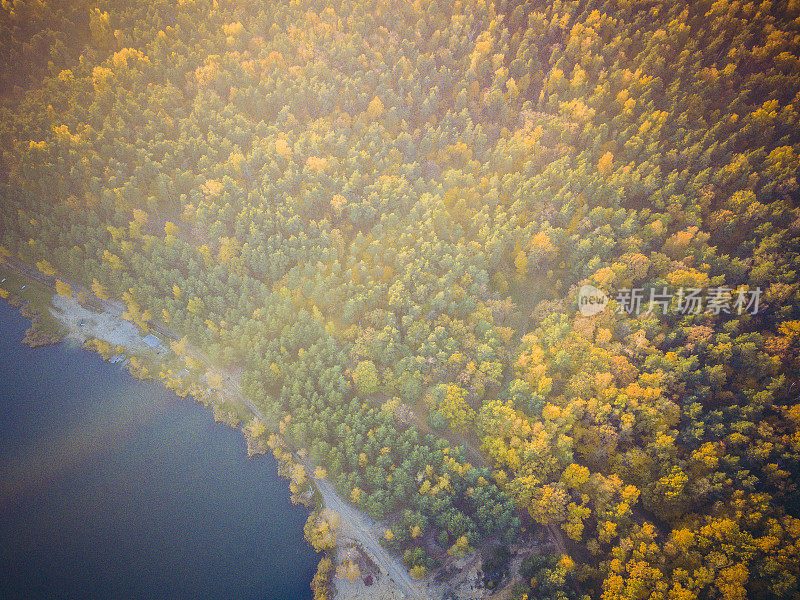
(381, 589)
(359, 528)
(384, 587)
(463, 583)
(82, 323)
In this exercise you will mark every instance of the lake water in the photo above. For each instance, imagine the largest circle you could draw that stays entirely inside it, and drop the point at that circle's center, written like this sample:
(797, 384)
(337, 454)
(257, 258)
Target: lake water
(111, 487)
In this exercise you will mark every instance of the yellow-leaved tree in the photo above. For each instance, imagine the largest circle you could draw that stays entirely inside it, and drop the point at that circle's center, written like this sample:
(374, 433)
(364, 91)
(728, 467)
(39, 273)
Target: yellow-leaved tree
(63, 288)
(321, 528)
(99, 290)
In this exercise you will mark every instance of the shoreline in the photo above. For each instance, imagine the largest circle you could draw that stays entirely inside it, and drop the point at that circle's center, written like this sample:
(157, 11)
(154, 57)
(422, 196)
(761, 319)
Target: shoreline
(78, 423)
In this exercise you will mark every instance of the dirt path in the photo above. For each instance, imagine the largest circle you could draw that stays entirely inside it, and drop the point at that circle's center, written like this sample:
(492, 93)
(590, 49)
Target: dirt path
(358, 527)
(354, 525)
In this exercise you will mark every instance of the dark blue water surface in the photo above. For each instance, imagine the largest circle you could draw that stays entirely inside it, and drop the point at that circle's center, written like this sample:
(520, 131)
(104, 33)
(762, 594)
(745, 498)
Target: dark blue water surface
(111, 487)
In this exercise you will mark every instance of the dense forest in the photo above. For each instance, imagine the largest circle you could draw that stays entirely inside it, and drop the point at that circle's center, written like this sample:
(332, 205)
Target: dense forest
(383, 211)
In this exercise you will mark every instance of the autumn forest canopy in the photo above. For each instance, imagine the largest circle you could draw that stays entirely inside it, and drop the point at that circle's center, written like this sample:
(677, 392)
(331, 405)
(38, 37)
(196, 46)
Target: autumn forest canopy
(383, 211)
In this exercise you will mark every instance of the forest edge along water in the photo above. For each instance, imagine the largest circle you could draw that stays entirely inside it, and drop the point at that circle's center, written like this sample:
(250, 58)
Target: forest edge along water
(99, 324)
(115, 487)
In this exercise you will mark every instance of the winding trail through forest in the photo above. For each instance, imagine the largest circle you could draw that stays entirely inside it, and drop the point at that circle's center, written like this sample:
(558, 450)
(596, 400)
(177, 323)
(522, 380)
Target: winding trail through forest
(354, 525)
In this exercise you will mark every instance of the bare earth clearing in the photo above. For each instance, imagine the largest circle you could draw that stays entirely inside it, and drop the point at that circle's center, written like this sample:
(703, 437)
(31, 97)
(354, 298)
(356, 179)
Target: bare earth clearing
(83, 323)
(358, 527)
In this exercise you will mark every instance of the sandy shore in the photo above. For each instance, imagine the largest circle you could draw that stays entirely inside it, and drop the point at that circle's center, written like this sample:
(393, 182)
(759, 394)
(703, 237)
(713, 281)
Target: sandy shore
(83, 323)
(382, 589)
